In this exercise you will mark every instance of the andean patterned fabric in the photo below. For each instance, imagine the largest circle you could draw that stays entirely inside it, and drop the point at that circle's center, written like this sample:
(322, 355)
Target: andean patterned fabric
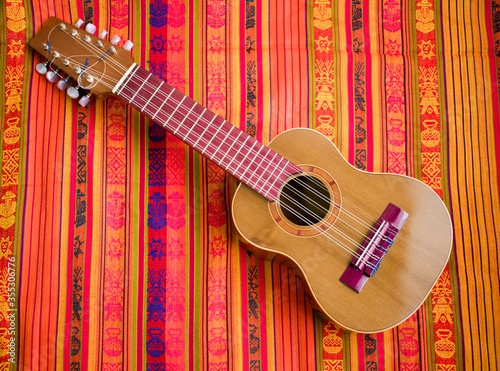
(117, 250)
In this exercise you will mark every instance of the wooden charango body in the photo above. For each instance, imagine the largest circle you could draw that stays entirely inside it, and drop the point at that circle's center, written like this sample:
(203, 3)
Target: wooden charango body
(406, 274)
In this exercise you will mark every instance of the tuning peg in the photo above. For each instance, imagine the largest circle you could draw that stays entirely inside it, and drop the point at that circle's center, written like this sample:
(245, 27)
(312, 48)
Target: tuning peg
(128, 45)
(115, 40)
(73, 92)
(41, 68)
(84, 100)
(52, 76)
(63, 83)
(91, 28)
(103, 34)
(79, 23)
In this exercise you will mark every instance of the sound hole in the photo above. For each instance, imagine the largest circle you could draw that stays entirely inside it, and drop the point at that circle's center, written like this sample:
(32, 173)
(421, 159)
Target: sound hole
(304, 200)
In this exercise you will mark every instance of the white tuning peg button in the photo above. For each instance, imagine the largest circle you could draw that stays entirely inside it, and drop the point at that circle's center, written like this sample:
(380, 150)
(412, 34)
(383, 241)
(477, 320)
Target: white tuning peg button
(52, 76)
(115, 40)
(63, 84)
(73, 92)
(84, 100)
(90, 28)
(128, 45)
(41, 68)
(103, 34)
(79, 23)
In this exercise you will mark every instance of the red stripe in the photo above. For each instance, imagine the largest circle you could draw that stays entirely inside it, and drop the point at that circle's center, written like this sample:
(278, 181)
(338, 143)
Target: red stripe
(81, 12)
(289, 58)
(380, 350)
(144, 31)
(300, 68)
(277, 317)
(294, 331)
(191, 48)
(287, 66)
(95, 18)
(287, 325)
(361, 352)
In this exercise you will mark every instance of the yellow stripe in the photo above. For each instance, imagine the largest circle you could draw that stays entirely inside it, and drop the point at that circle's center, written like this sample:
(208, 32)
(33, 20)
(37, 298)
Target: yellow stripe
(97, 241)
(353, 347)
(234, 88)
(342, 95)
(236, 332)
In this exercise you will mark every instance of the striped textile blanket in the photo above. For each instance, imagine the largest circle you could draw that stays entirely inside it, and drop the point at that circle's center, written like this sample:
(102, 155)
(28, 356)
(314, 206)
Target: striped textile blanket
(117, 247)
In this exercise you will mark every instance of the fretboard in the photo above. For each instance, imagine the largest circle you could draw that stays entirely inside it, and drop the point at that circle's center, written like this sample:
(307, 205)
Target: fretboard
(233, 150)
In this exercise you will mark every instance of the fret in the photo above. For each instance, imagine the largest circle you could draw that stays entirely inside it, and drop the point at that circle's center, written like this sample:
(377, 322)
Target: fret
(231, 146)
(138, 90)
(276, 178)
(201, 136)
(165, 101)
(238, 151)
(185, 117)
(221, 143)
(175, 110)
(118, 89)
(244, 158)
(151, 97)
(267, 167)
(213, 137)
(260, 163)
(195, 123)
